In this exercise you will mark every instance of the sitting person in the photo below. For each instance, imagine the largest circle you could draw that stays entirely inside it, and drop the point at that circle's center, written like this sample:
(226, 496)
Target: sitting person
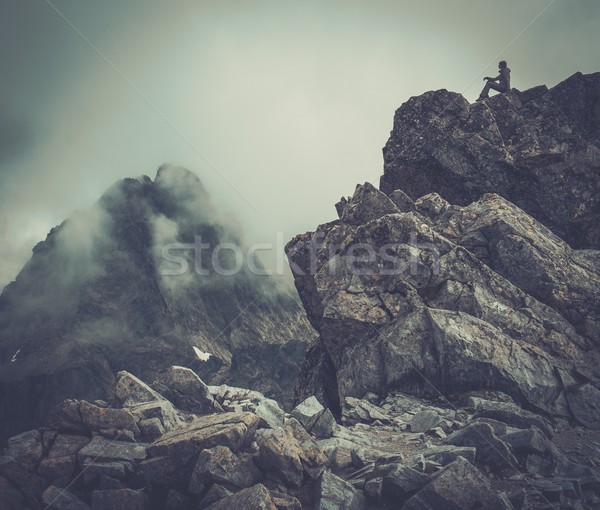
(501, 83)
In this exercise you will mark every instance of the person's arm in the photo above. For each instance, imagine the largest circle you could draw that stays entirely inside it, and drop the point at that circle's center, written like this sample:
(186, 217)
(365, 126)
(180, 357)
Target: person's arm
(497, 78)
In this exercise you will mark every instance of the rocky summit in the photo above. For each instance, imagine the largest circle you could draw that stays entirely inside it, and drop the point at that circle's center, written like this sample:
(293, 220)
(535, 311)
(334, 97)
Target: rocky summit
(100, 295)
(456, 365)
(539, 148)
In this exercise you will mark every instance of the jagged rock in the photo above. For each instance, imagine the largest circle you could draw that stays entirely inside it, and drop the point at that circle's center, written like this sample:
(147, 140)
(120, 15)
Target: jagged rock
(284, 501)
(242, 399)
(513, 415)
(584, 402)
(188, 392)
(162, 410)
(357, 461)
(59, 465)
(356, 410)
(61, 499)
(308, 412)
(446, 454)
(531, 257)
(220, 465)
(459, 486)
(172, 456)
(431, 312)
(19, 461)
(26, 448)
(76, 415)
(269, 410)
(151, 428)
(253, 498)
(289, 454)
(100, 449)
(491, 450)
(313, 457)
(116, 470)
(540, 154)
(400, 482)
(424, 421)
(227, 429)
(500, 428)
(120, 499)
(131, 390)
(333, 493)
(499, 502)
(325, 426)
(374, 488)
(402, 201)
(527, 441)
(214, 494)
(367, 203)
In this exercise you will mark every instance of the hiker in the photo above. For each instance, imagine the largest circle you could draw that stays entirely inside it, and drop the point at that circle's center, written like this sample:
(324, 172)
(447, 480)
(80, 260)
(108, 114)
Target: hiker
(501, 83)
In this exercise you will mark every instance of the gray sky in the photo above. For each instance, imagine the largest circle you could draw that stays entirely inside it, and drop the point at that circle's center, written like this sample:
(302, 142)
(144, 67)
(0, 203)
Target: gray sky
(290, 102)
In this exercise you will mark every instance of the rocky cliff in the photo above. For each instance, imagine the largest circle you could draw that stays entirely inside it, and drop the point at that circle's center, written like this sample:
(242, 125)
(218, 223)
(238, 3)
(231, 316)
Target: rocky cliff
(465, 271)
(97, 297)
(539, 149)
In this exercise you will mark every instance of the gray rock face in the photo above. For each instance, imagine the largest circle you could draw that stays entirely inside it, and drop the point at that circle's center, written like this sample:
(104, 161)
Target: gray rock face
(120, 499)
(131, 390)
(220, 465)
(424, 421)
(187, 391)
(253, 498)
(290, 455)
(527, 254)
(539, 150)
(233, 430)
(400, 482)
(77, 416)
(459, 486)
(492, 451)
(333, 493)
(103, 449)
(399, 304)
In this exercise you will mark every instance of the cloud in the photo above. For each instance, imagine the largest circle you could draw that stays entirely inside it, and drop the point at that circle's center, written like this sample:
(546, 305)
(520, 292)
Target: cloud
(15, 136)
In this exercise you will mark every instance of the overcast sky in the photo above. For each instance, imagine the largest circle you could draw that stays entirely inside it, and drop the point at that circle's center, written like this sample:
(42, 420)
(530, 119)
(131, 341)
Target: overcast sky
(280, 107)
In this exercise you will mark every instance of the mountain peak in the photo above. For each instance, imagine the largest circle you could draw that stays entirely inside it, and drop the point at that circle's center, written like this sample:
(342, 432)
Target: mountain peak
(539, 148)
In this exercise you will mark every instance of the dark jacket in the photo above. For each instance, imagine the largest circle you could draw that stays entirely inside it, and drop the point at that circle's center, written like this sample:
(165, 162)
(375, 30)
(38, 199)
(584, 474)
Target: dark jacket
(504, 78)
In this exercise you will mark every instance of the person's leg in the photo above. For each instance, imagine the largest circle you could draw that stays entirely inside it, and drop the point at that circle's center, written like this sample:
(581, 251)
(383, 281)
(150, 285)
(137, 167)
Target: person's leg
(496, 86)
(490, 85)
(486, 90)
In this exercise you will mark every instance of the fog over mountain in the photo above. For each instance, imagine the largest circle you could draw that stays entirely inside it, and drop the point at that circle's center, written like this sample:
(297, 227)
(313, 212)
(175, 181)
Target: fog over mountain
(275, 95)
(101, 294)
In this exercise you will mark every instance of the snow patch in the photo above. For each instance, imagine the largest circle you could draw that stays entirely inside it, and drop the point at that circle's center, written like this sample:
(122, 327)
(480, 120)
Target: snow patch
(201, 355)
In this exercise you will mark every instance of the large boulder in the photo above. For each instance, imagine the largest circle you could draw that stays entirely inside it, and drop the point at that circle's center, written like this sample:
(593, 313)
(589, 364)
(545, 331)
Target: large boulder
(252, 498)
(75, 415)
(333, 493)
(538, 150)
(527, 254)
(187, 391)
(172, 456)
(220, 465)
(400, 305)
(61, 461)
(459, 486)
(289, 455)
(492, 451)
